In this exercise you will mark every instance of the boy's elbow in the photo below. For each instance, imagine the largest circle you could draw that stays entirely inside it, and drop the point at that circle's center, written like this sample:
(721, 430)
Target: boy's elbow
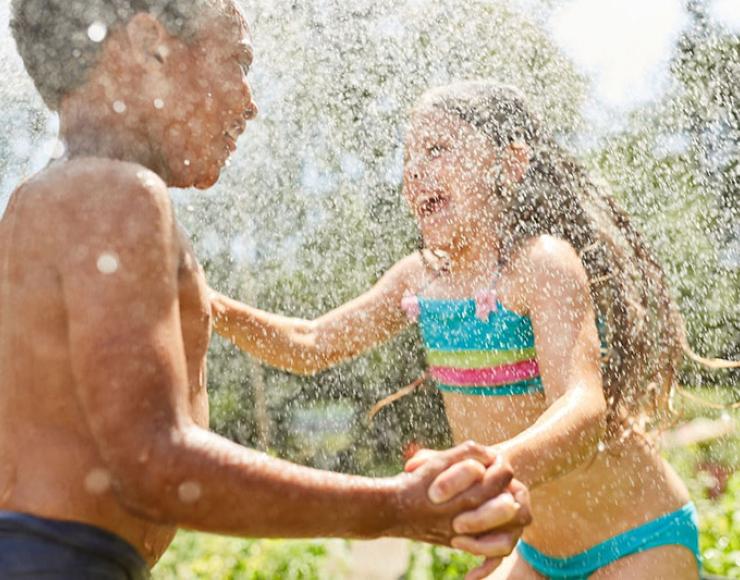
(146, 481)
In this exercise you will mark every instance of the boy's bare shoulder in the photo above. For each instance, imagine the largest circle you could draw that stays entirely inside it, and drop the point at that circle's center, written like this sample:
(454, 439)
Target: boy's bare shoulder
(87, 203)
(95, 182)
(89, 195)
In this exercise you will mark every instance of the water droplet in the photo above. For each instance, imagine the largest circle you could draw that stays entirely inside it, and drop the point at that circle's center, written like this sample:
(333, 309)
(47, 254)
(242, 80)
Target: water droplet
(119, 107)
(58, 149)
(187, 162)
(144, 456)
(601, 447)
(98, 481)
(147, 179)
(189, 492)
(107, 263)
(158, 104)
(97, 31)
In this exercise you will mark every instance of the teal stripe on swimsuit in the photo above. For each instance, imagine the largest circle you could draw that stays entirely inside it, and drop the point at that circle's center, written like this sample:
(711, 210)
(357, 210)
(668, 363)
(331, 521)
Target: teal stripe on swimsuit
(521, 388)
(452, 325)
(679, 528)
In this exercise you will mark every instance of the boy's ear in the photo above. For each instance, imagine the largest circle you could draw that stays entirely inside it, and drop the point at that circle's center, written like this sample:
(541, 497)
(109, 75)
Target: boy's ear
(146, 38)
(516, 161)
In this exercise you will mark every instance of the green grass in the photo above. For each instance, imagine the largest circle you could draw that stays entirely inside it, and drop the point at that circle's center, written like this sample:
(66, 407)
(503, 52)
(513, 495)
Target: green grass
(195, 556)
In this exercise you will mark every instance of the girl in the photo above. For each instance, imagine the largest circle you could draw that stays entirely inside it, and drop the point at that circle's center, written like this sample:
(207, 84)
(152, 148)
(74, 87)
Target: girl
(528, 260)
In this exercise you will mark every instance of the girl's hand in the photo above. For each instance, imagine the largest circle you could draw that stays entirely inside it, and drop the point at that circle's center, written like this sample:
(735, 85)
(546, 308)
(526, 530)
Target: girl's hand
(501, 543)
(506, 513)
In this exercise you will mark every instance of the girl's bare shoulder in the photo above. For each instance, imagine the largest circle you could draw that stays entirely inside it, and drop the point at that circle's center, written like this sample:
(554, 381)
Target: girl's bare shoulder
(540, 263)
(411, 272)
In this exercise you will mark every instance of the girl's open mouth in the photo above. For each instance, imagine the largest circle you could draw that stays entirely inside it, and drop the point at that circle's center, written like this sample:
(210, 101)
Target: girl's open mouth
(432, 205)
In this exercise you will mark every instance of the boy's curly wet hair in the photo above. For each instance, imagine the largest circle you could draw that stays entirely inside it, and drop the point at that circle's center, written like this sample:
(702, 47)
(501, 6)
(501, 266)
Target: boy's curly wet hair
(56, 48)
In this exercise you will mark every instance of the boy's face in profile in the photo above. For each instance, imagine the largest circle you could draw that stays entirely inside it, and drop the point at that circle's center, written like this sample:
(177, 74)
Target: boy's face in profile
(206, 101)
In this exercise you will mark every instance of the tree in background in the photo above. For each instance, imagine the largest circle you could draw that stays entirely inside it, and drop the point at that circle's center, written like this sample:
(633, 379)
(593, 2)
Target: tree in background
(675, 167)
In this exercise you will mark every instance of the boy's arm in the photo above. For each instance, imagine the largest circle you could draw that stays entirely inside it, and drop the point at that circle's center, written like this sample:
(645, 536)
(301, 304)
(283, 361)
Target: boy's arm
(129, 366)
(307, 347)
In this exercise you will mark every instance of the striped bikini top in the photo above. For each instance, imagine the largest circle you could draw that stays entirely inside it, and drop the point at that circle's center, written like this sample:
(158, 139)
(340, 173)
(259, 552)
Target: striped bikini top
(476, 346)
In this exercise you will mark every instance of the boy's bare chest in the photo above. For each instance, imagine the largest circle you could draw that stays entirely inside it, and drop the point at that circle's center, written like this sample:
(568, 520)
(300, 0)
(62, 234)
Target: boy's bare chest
(195, 321)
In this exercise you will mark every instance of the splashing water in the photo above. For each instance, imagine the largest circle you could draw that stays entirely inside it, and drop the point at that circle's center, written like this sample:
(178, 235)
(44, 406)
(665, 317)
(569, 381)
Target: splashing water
(309, 212)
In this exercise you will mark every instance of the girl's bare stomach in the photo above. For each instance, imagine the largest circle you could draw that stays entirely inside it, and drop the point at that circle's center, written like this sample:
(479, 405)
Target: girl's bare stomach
(619, 489)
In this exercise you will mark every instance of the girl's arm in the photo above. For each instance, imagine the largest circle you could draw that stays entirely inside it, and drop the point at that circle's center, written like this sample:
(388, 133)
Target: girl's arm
(310, 346)
(554, 289)
(560, 307)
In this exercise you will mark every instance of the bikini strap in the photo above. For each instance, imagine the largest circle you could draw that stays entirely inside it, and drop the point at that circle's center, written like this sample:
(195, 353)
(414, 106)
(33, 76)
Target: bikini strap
(431, 261)
(437, 262)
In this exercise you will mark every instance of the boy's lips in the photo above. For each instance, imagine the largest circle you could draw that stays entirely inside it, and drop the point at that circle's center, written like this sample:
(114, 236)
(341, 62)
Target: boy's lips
(233, 132)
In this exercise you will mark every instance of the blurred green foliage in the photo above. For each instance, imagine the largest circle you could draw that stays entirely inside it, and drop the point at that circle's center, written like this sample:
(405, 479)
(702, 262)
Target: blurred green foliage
(205, 557)
(720, 538)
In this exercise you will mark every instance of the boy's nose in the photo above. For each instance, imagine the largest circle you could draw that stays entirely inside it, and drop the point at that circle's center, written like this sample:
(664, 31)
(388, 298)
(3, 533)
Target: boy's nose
(251, 110)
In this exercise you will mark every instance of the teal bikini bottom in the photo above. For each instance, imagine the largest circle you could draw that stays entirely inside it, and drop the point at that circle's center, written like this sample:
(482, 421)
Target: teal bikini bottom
(676, 528)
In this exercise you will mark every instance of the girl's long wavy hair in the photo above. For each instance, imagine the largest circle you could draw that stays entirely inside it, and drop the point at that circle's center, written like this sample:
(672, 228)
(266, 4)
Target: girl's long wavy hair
(644, 337)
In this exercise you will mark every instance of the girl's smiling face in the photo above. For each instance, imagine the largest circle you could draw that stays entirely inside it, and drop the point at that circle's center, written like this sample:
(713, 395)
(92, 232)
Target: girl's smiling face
(448, 179)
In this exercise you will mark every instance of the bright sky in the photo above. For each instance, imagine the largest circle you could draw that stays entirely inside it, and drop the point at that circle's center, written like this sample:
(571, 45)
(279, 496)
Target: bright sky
(625, 45)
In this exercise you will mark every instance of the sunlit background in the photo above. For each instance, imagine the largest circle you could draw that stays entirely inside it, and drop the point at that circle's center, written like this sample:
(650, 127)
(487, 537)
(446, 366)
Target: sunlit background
(309, 212)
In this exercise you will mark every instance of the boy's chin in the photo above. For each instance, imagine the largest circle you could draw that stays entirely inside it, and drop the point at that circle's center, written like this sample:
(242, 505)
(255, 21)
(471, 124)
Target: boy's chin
(203, 180)
(207, 181)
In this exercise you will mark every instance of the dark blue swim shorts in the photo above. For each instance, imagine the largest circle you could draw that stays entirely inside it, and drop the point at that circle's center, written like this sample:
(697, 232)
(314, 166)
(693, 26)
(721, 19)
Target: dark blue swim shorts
(32, 547)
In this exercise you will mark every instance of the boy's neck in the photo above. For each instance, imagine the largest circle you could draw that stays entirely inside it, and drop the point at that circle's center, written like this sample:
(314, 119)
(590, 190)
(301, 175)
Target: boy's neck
(98, 133)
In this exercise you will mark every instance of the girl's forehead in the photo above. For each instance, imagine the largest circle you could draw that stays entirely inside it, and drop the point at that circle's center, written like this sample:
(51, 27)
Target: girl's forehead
(436, 123)
(433, 122)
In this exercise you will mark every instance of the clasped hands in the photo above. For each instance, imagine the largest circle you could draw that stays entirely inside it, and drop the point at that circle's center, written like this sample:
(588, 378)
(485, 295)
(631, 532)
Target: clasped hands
(488, 508)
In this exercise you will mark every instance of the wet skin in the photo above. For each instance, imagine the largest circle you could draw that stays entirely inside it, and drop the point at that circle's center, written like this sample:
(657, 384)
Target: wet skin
(580, 497)
(105, 323)
(50, 462)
